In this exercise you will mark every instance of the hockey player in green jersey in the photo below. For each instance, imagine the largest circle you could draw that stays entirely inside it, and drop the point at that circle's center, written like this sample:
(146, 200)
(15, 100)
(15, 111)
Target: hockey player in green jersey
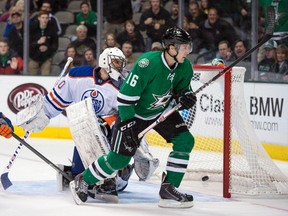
(156, 79)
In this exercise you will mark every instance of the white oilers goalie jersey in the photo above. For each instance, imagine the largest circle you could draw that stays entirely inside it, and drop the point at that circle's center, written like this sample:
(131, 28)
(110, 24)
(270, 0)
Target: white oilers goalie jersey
(83, 82)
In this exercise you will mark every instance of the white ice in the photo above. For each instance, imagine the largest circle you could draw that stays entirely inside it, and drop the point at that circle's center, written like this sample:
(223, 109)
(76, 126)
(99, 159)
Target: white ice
(34, 190)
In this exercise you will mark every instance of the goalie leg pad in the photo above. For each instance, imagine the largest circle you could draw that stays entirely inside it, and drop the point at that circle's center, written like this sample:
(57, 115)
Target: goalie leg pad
(144, 163)
(77, 165)
(86, 131)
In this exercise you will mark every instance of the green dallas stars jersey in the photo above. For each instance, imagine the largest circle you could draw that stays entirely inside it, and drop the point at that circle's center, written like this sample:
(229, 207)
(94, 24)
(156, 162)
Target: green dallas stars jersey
(148, 88)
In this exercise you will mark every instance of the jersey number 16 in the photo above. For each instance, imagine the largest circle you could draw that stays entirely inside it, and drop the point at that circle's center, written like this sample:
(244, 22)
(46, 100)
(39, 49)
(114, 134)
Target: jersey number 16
(132, 80)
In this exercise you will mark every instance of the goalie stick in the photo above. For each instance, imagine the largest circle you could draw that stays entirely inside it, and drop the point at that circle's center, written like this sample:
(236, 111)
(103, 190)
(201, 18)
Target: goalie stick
(268, 35)
(5, 181)
(64, 70)
(41, 156)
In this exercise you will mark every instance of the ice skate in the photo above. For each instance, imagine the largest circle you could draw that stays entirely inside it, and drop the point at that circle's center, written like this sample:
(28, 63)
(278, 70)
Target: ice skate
(106, 191)
(79, 189)
(123, 176)
(170, 197)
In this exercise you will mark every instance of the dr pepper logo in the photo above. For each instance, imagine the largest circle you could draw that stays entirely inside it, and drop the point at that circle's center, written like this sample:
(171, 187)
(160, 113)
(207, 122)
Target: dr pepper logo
(23, 95)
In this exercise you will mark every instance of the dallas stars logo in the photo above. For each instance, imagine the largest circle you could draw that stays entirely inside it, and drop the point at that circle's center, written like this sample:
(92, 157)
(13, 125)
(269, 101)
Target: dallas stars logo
(161, 100)
(171, 76)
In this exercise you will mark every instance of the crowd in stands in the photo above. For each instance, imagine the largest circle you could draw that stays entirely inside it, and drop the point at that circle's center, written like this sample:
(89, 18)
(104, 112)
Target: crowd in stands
(219, 28)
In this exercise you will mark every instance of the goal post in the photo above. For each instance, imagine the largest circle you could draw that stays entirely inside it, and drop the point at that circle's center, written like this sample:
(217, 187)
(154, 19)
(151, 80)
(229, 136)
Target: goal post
(226, 146)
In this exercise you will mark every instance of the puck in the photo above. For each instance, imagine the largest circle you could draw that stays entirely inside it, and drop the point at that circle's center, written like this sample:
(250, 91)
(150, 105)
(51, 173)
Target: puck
(205, 178)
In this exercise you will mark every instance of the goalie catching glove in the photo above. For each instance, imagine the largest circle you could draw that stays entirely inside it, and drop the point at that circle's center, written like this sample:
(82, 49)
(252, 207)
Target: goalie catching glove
(126, 139)
(33, 118)
(186, 98)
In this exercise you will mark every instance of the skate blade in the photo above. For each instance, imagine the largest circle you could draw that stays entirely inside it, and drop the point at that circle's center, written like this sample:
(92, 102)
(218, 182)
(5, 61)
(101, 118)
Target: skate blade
(166, 203)
(107, 198)
(74, 194)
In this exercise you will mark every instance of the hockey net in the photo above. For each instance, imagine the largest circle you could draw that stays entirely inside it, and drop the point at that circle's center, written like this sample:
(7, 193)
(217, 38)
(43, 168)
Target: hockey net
(226, 147)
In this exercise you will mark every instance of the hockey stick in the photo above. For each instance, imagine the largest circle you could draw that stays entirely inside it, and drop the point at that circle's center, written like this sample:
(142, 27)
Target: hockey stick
(5, 181)
(42, 156)
(69, 61)
(267, 36)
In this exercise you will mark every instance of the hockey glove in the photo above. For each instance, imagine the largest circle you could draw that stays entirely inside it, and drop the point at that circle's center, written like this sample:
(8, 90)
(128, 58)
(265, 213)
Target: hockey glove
(129, 139)
(186, 98)
(106, 130)
(33, 117)
(6, 127)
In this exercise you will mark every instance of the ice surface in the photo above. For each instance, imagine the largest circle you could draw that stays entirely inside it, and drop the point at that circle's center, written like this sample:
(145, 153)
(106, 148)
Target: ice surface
(34, 190)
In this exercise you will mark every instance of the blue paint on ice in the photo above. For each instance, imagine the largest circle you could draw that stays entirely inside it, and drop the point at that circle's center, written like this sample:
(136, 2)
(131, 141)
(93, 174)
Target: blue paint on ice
(136, 191)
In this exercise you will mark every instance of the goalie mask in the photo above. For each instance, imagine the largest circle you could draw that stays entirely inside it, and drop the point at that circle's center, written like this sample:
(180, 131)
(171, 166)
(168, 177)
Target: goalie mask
(176, 36)
(113, 60)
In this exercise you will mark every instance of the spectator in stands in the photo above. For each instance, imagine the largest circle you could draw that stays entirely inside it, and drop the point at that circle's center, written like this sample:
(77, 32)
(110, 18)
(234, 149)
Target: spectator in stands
(15, 36)
(204, 5)
(240, 49)
(136, 6)
(8, 5)
(228, 10)
(281, 66)
(10, 63)
(155, 21)
(88, 18)
(127, 49)
(243, 21)
(4, 16)
(268, 63)
(82, 41)
(194, 15)
(18, 4)
(71, 52)
(133, 35)
(56, 5)
(116, 13)
(110, 41)
(89, 58)
(224, 51)
(214, 29)
(157, 46)
(174, 11)
(43, 44)
(47, 6)
(193, 18)
(19, 7)
(261, 50)
(59, 5)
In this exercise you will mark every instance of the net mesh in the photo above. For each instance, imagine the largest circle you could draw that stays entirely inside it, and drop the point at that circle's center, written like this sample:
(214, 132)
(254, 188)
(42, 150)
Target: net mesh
(252, 172)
